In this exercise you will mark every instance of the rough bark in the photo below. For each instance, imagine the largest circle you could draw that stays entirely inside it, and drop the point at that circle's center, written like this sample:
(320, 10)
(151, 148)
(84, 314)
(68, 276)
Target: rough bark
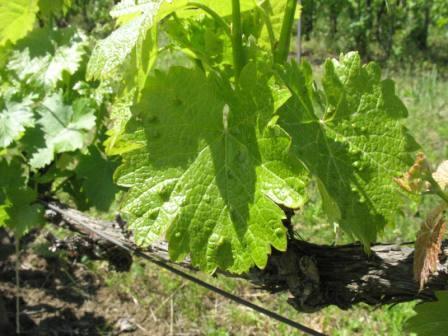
(315, 276)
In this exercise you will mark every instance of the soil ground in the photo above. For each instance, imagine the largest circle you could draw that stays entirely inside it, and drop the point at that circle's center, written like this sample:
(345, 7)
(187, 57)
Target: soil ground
(58, 297)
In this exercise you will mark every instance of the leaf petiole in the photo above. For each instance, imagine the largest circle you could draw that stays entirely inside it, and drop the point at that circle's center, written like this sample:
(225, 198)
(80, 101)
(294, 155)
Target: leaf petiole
(281, 54)
(436, 188)
(213, 14)
(237, 39)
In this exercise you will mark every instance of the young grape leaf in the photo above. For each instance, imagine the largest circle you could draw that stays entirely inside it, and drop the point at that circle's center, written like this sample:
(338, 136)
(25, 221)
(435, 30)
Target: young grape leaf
(350, 137)
(138, 33)
(17, 18)
(37, 61)
(211, 170)
(113, 53)
(21, 213)
(427, 246)
(14, 118)
(414, 180)
(18, 208)
(66, 128)
(430, 319)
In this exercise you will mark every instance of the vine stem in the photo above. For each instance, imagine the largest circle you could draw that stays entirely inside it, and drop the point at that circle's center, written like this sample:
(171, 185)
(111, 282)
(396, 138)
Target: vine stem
(281, 54)
(436, 188)
(237, 39)
(213, 14)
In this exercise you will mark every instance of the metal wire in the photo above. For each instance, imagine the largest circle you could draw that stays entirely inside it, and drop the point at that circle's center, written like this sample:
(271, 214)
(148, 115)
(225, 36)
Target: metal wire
(163, 264)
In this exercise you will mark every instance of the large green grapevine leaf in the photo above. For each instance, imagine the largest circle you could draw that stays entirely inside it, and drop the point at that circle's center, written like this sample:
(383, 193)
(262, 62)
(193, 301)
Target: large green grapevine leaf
(351, 139)
(431, 317)
(210, 169)
(14, 118)
(16, 19)
(66, 127)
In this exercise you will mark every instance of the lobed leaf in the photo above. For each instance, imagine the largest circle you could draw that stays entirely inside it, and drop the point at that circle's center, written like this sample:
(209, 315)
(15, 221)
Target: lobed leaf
(35, 61)
(210, 171)
(66, 128)
(14, 118)
(351, 139)
(18, 208)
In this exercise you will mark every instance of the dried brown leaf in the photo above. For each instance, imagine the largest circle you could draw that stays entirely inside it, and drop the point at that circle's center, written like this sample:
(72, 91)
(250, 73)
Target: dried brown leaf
(427, 246)
(413, 181)
(441, 175)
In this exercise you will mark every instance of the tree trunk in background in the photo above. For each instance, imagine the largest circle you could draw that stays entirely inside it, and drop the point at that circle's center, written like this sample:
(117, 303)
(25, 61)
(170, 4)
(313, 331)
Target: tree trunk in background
(359, 32)
(307, 18)
(386, 26)
(334, 9)
(426, 23)
(418, 35)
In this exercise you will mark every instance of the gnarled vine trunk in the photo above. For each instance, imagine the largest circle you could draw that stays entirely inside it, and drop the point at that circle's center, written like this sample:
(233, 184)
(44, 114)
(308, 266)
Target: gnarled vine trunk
(315, 276)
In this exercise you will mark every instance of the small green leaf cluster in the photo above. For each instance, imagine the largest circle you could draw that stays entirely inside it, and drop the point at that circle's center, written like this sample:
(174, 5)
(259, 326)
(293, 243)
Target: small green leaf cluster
(52, 121)
(217, 133)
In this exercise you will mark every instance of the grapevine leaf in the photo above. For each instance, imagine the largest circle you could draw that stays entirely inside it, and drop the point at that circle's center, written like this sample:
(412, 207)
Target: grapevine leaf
(427, 246)
(18, 210)
(22, 213)
(113, 53)
(12, 176)
(66, 128)
(431, 318)
(37, 62)
(96, 172)
(16, 19)
(351, 139)
(138, 33)
(210, 170)
(14, 119)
